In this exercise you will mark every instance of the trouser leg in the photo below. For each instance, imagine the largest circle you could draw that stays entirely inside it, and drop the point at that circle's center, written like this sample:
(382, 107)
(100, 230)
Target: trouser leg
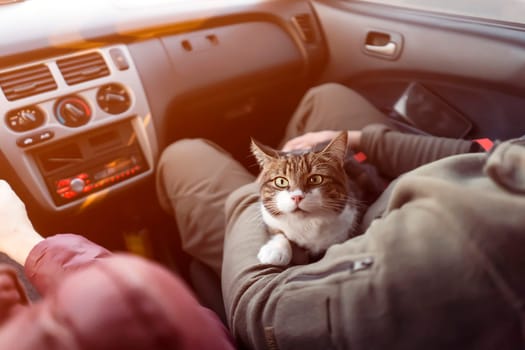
(332, 107)
(194, 177)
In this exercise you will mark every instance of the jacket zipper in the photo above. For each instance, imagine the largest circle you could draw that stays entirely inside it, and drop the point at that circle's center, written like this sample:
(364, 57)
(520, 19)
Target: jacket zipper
(350, 266)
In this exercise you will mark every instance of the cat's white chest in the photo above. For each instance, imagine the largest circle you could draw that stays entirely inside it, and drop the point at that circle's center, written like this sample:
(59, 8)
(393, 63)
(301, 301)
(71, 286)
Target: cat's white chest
(313, 232)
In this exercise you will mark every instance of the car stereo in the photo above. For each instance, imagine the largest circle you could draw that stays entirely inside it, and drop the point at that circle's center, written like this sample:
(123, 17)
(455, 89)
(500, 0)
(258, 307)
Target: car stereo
(77, 167)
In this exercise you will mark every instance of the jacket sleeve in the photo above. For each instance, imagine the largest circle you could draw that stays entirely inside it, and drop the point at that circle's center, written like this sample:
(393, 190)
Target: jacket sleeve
(94, 299)
(395, 153)
(271, 307)
(429, 247)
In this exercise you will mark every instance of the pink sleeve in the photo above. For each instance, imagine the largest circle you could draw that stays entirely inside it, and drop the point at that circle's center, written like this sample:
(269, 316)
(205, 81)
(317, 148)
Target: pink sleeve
(52, 258)
(94, 299)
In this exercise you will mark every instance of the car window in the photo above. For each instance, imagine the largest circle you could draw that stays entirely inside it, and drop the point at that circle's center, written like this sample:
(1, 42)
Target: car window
(501, 10)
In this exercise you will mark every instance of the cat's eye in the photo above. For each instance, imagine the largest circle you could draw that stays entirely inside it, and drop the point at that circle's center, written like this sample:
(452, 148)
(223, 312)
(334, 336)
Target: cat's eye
(281, 182)
(315, 180)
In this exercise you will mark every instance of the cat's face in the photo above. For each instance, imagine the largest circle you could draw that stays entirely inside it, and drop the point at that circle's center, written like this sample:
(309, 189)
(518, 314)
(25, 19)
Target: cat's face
(303, 183)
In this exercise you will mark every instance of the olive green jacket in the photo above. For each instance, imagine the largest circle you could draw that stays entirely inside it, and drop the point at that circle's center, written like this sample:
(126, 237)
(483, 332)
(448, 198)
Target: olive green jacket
(440, 266)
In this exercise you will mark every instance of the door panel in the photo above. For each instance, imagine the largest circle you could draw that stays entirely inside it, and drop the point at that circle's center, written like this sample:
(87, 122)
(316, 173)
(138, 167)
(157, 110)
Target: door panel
(477, 67)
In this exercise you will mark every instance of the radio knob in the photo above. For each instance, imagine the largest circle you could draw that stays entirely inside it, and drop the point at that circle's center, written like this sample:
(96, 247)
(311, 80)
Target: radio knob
(77, 185)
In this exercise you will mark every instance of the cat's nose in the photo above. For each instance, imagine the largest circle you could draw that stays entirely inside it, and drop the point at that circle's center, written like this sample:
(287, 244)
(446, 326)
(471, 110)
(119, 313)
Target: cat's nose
(297, 198)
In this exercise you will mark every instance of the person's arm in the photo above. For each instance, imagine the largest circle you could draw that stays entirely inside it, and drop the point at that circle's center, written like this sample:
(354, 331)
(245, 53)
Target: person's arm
(395, 153)
(120, 301)
(392, 152)
(92, 298)
(426, 258)
(17, 235)
(323, 305)
(46, 261)
(52, 259)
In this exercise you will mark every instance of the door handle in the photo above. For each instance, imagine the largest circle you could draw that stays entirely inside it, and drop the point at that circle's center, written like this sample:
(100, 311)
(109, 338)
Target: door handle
(383, 44)
(388, 49)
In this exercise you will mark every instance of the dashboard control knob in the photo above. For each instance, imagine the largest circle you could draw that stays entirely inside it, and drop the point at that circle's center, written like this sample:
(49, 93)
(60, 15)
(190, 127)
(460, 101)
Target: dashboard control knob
(113, 98)
(26, 118)
(77, 185)
(72, 111)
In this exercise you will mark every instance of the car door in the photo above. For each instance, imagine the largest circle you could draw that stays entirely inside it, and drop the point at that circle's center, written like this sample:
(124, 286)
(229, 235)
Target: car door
(468, 55)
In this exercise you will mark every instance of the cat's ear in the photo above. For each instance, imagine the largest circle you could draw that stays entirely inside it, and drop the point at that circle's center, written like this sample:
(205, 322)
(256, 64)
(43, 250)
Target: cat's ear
(263, 153)
(337, 147)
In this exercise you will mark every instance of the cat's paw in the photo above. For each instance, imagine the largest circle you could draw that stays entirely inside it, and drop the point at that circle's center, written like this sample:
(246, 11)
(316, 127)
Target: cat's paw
(277, 251)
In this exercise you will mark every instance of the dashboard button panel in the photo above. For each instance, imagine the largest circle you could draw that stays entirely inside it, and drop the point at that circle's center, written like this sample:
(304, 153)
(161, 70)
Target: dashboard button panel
(87, 121)
(33, 139)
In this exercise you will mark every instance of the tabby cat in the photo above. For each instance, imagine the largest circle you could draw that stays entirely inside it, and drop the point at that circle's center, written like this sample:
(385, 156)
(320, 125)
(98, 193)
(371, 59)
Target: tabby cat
(306, 198)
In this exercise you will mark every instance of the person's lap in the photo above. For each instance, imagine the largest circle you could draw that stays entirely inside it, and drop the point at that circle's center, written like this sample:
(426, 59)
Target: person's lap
(331, 107)
(195, 177)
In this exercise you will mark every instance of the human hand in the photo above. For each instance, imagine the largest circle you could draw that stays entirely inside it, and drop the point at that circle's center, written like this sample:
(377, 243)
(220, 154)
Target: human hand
(310, 139)
(17, 235)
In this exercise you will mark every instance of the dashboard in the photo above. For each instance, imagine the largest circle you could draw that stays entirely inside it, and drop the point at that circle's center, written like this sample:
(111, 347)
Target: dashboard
(76, 124)
(90, 93)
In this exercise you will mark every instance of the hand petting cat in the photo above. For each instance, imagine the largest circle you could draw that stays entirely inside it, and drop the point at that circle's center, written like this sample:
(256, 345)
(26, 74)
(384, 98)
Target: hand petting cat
(308, 140)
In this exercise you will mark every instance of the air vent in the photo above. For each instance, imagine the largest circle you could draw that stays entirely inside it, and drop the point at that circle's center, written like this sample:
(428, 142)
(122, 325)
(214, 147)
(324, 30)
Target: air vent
(25, 82)
(81, 68)
(305, 27)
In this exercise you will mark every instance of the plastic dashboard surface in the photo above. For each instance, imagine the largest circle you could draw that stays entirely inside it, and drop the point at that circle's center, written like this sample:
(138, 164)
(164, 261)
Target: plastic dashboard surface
(53, 129)
(68, 102)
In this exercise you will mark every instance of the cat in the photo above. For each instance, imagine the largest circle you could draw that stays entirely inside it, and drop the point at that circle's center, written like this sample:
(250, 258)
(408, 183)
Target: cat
(306, 198)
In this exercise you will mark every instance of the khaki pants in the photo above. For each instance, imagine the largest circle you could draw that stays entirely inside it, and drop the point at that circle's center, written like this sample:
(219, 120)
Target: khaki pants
(194, 177)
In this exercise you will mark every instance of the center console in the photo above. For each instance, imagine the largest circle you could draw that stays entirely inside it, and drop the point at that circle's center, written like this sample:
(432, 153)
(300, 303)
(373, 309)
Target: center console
(77, 126)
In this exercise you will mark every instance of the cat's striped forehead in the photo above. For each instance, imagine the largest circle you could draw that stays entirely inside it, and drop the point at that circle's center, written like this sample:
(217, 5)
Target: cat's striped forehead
(291, 163)
(294, 165)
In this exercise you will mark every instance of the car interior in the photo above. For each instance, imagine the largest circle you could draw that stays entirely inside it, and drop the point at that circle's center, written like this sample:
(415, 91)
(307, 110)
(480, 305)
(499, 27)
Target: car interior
(91, 94)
